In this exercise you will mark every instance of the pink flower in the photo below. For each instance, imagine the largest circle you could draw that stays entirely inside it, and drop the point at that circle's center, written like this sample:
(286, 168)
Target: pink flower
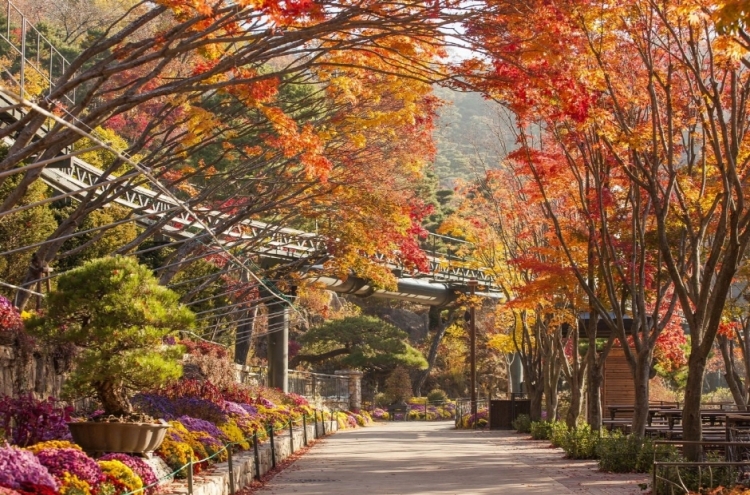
(19, 466)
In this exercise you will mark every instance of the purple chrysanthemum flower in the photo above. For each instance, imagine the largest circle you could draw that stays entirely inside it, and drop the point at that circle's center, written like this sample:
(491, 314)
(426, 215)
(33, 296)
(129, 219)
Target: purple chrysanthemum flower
(60, 461)
(18, 466)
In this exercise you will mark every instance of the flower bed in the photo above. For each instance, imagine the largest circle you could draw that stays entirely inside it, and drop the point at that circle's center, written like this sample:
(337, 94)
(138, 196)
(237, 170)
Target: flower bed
(480, 420)
(416, 411)
(207, 420)
(204, 426)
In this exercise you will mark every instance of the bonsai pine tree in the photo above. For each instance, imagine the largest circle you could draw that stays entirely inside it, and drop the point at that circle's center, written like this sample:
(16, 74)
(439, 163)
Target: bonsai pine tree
(116, 313)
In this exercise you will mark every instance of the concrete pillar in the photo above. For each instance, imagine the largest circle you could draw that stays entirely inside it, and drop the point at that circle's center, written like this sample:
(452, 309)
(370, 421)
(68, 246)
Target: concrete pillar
(516, 374)
(355, 388)
(278, 347)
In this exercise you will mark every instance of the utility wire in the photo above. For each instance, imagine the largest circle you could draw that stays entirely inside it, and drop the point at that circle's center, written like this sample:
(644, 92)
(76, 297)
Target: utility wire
(146, 173)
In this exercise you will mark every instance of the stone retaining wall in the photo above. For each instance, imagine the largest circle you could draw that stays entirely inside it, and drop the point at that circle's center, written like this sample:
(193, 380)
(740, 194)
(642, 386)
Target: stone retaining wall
(215, 481)
(38, 374)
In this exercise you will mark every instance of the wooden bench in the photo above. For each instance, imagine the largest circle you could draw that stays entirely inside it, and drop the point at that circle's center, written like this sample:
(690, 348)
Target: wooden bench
(398, 408)
(623, 425)
(710, 433)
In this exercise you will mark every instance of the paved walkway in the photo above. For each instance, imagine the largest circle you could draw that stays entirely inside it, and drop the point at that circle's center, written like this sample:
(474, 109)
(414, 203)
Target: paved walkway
(431, 458)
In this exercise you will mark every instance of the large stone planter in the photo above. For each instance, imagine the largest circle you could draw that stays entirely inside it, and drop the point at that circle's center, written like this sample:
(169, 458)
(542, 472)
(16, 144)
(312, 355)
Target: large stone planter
(135, 438)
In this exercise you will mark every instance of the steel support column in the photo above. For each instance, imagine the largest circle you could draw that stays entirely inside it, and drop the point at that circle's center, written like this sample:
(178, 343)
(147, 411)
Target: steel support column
(473, 344)
(278, 348)
(277, 342)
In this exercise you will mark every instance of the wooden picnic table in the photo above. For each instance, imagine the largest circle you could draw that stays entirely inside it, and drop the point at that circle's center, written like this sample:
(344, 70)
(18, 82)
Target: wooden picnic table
(725, 406)
(674, 415)
(736, 420)
(614, 409)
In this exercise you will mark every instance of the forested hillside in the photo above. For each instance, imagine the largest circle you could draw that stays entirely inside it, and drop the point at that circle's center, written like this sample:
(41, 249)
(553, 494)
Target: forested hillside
(471, 134)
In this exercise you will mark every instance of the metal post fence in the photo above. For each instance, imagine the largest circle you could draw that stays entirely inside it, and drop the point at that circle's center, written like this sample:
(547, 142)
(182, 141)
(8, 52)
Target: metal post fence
(291, 435)
(190, 477)
(231, 471)
(273, 448)
(304, 429)
(256, 455)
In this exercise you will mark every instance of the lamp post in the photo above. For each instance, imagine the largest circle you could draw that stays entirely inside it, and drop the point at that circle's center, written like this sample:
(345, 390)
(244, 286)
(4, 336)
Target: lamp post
(473, 352)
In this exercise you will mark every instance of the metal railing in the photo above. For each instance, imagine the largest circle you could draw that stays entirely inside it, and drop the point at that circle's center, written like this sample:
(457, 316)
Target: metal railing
(464, 409)
(28, 58)
(722, 463)
(34, 57)
(328, 388)
(254, 375)
(76, 177)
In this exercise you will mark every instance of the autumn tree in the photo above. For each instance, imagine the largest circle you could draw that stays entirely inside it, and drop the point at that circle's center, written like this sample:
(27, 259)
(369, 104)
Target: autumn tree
(440, 320)
(302, 84)
(733, 340)
(668, 94)
(516, 245)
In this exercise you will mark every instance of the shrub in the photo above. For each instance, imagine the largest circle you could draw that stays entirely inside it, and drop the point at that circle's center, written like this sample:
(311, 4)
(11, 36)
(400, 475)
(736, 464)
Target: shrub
(540, 430)
(210, 362)
(195, 424)
(52, 444)
(380, 400)
(26, 420)
(398, 385)
(176, 454)
(70, 484)
(697, 480)
(10, 319)
(522, 423)
(169, 409)
(75, 462)
(581, 443)
(138, 466)
(554, 431)
(721, 394)
(630, 454)
(379, 413)
(558, 434)
(437, 395)
(234, 434)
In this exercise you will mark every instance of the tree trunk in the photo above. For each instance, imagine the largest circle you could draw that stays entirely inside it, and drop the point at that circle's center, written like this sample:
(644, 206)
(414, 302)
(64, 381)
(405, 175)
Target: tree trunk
(550, 402)
(734, 381)
(576, 402)
(575, 374)
(593, 391)
(641, 377)
(551, 375)
(440, 328)
(244, 336)
(536, 394)
(113, 398)
(692, 428)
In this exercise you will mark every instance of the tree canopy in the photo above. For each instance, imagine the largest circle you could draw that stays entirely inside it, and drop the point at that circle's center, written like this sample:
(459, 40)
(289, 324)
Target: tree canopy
(362, 342)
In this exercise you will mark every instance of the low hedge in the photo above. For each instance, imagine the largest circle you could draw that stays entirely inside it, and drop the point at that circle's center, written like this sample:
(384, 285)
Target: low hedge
(522, 423)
